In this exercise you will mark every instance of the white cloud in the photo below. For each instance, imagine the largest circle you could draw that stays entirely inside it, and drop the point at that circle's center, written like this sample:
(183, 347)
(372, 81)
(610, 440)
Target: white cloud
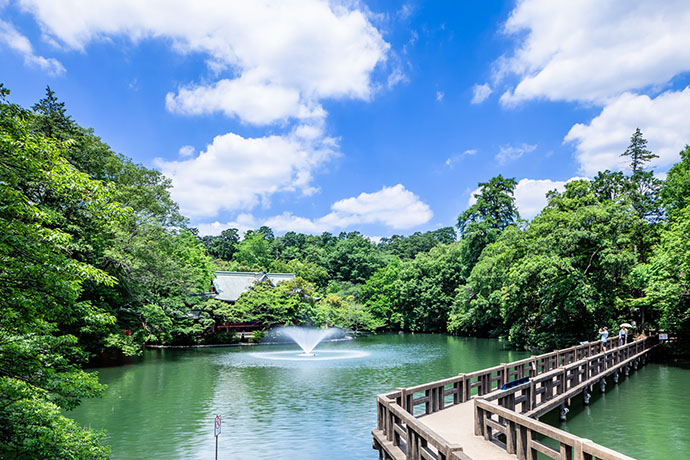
(439, 95)
(663, 121)
(395, 207)
(592, 50)
(257, 103)
(530, 194)
(283, 58)
(186, 151)
(19, 43)
(480, 93)
(236, 173)
(406, 11)
(508, 153)
(455, 159)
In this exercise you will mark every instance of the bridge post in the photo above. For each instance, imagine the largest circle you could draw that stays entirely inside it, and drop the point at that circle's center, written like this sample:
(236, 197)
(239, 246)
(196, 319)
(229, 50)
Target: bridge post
(615, 377)
(587, 396)
(564, 412)
(602, 384)
(635, 364)
(627, 370)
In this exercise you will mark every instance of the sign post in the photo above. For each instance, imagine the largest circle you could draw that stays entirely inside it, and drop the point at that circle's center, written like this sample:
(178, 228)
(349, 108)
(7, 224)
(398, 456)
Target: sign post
(217, 432)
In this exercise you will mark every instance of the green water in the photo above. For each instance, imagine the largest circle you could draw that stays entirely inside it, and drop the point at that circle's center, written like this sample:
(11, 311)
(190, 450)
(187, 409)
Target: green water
(646, 416)
(163, 406)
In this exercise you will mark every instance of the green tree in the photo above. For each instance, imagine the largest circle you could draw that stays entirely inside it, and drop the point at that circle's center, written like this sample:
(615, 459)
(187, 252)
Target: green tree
(290, 302)
(669, 284)
(353, 258)
(427, 286)
(575, 271)
(40, 287)
(675, 194)
(348, 314)
(254, 251)
(223, 246)
(483, 222)
(477, 307)
(380, 296)
(637, 151)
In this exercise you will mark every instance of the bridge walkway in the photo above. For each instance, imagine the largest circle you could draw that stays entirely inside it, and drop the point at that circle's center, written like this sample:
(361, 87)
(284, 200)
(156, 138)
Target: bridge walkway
(469, 417)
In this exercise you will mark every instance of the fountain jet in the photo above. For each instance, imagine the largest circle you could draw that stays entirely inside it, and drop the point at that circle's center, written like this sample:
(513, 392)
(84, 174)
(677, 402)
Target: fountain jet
(307, 338)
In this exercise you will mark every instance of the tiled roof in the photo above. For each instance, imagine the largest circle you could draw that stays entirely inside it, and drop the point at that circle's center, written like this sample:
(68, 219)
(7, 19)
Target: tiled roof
(229, 285)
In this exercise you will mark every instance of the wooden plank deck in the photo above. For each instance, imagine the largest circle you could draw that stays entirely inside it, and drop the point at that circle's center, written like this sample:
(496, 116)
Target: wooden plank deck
(456, 424)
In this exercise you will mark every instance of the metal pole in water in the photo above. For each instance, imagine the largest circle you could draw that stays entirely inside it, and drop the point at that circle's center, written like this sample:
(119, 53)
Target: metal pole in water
(216, 431)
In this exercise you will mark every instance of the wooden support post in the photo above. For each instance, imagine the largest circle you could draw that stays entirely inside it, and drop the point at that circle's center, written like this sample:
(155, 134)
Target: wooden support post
(403, 399)
(510, 437)
(412, 448)
(531, 454)
(478, 421)
(564, 412)
(521, 446)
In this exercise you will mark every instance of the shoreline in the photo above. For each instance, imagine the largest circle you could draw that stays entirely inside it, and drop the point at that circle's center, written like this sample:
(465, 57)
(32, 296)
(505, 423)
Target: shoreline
(239, 344)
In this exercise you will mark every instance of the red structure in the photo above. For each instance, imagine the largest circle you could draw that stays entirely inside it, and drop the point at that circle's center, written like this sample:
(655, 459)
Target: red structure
(239, 327)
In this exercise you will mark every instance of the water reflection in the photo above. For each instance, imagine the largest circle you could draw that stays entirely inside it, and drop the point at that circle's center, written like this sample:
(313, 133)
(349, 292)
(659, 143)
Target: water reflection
(163, 407)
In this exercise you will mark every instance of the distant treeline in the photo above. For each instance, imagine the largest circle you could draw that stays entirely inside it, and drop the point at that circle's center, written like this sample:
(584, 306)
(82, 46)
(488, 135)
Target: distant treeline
(96, 259)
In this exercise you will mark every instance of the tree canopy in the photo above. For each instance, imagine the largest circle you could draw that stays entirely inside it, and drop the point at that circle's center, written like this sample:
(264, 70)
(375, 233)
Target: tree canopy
(98, 261)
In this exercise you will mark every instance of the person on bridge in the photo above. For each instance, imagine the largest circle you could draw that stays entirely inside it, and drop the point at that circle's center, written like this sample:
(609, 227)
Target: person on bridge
(623, 335)
(604, 332)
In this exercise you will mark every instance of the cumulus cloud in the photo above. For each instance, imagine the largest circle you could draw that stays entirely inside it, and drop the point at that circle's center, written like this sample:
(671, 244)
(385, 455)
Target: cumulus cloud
(507, 153)
(480, 93)
(663, 121)
(592, 50)
(439, 95)
(19, 43)
(395, 207)
(236, 173)
(530, 194)
(283, 58)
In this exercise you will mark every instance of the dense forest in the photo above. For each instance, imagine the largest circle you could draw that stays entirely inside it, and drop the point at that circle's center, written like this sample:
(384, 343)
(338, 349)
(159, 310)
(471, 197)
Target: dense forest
(97, 260)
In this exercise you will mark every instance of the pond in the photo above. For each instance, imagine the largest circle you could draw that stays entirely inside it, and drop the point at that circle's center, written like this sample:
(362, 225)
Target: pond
(164, 405)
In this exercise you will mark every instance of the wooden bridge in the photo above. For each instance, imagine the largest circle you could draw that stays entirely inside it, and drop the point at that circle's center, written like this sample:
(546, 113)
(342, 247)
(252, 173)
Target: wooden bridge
(470, 416)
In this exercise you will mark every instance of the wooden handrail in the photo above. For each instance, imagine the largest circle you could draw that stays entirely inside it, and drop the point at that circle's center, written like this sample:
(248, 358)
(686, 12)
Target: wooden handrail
(555, 377)
(486, 381)
(521, 435)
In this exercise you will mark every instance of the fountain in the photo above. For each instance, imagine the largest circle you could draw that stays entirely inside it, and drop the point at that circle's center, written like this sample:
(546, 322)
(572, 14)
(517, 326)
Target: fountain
(307, 338)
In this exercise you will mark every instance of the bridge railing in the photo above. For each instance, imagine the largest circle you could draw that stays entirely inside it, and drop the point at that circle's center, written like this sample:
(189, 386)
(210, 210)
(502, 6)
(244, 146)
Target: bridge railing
(542, 390)
(525, 436)
(414, 439)
(434, 396)
(553, 375)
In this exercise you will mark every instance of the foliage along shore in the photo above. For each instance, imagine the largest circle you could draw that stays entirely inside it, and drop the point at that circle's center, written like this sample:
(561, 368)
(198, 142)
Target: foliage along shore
(97, 259)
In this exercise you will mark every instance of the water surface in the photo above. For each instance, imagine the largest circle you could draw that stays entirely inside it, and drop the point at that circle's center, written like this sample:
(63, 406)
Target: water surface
(646, 416)
(164, 406)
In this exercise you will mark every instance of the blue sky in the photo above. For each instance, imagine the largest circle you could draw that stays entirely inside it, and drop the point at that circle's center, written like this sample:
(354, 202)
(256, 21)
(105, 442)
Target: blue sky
(375, 116)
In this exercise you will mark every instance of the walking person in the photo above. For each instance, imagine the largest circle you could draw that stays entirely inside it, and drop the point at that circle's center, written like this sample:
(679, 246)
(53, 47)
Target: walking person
(604, 332)
(623, 335)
